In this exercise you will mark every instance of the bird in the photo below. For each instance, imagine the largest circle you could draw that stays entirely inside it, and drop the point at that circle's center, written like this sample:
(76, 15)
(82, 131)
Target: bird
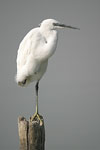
(34, 51)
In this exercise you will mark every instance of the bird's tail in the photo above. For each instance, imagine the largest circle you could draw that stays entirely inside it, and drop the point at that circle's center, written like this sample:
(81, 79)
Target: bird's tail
(21, 80)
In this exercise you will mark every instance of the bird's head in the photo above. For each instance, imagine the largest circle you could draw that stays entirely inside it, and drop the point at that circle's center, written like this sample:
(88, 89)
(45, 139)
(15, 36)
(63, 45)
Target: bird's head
(51, 24)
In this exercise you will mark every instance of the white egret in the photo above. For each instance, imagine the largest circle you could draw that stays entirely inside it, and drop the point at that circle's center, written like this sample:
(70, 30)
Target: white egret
(33, 54)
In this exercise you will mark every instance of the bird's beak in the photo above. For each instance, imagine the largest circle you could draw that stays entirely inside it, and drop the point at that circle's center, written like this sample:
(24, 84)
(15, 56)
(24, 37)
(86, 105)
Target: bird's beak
(59, 25)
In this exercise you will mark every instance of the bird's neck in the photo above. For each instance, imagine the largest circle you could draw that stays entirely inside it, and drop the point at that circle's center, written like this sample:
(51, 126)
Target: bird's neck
(48, 33)
(51, 37)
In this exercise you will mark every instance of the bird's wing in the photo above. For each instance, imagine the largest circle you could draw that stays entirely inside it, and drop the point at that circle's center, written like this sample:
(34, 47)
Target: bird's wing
(27, 51)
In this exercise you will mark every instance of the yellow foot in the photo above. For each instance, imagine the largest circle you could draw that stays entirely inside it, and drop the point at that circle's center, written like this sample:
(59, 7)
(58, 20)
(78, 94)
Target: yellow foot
(35, 117)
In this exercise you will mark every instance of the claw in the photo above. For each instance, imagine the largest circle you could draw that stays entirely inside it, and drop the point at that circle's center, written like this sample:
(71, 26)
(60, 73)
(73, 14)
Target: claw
(35, 117)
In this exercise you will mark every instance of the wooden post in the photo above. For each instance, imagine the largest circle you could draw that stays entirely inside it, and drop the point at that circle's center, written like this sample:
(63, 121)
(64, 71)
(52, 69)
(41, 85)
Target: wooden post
(31, 134)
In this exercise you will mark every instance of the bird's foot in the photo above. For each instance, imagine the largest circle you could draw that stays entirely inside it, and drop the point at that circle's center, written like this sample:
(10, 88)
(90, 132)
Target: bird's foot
(36, 116)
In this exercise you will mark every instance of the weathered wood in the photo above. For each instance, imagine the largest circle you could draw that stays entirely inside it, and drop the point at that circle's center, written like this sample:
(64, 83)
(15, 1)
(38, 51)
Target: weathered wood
(23, 133)
(31, 134)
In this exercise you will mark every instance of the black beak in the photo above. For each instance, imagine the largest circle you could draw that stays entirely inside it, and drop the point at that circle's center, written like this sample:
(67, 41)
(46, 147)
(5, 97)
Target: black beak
(65, 26)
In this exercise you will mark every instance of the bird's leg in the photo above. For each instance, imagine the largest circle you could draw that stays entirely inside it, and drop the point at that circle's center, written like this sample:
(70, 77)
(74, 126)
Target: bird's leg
(36, 89)
(37, 112)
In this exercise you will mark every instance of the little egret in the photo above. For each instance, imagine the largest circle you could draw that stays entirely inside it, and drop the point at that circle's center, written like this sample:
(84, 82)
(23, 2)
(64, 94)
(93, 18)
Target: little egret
(33, 54)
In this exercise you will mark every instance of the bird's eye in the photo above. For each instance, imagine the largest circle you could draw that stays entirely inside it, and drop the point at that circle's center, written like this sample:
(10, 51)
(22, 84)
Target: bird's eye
(55, 24)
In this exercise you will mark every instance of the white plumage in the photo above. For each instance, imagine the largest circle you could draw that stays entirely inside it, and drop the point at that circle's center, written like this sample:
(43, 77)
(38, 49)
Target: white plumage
(34, 51)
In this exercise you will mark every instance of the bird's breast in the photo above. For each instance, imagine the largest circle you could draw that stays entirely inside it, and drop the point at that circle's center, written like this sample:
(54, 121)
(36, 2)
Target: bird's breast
(52, 42)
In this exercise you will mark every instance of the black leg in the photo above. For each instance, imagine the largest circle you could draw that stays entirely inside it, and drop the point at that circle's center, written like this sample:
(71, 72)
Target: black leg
(37, 88)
